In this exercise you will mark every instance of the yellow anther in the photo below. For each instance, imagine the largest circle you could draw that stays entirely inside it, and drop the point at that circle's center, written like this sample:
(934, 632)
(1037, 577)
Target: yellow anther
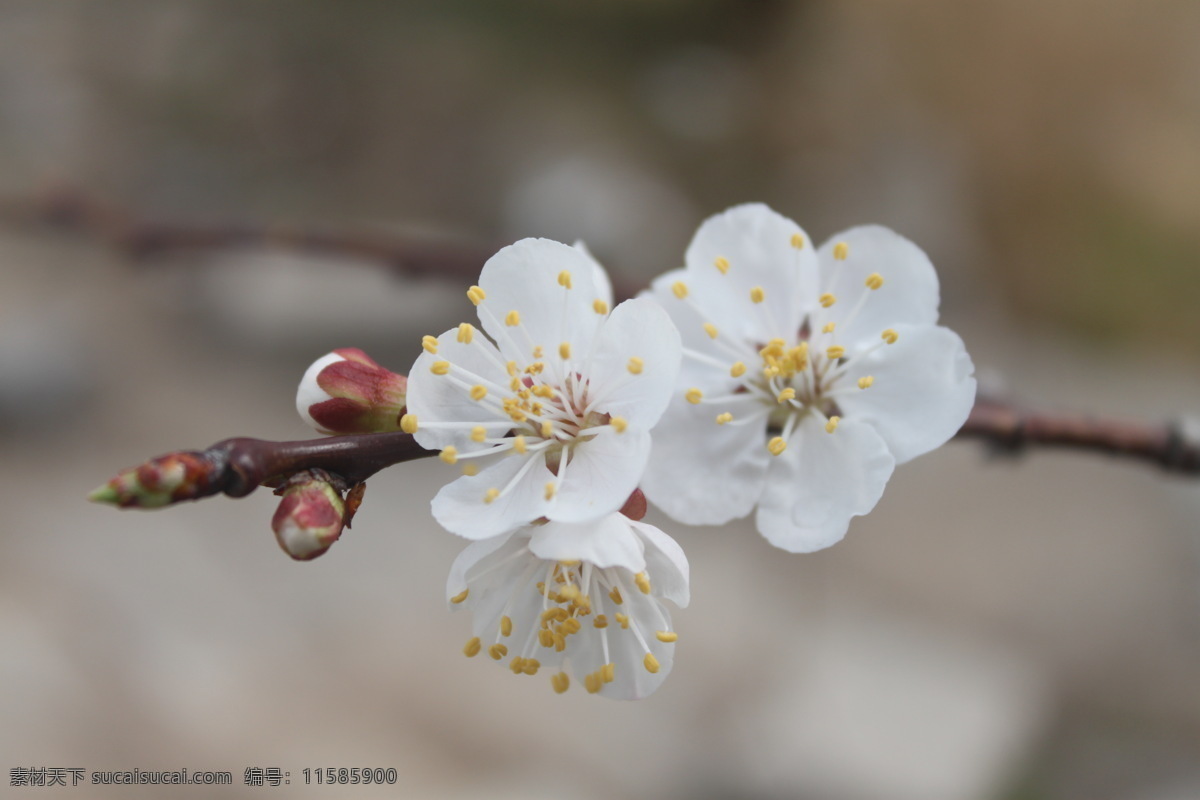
(593, 682)
(571, 626)
(449, 454)
(694, 395)
(608, 673)
(874, 280)
(478, 433)
(680, 289)
(757, 295)
(513, 318)
(478, 392)
(737, 370)
(865, 381)
(430, 343)
(600, 621)
(829, 326)
(466, 332)
(776, 445)
(615, 595)
(564, 279)
(561, 681)
(498, 651)
(622, 620)
(547, 429)
(490, 495)
(408, 423)
(635, 365)
(458, 598)
(517, 665)
(505, 626)
(835, 352)
(650, 663)
(826, 300)
(472, 647)
(556, 614)
(831, 426)
(440, 367)
(560, 643)
(643, 582)
(551, 489)
(542, 390)
(564, 350)
(538, 352)
(519, 444)
(570, 592)
(722, 264)
(530, 666)
(512, 369)
(619, 424)
(841, 250)
(711, 330)
(723, 418)
(797, 241)
(667, 637)
(787, 394)
(470, 468)
(476, 295)
(890, 336)
(546, 638)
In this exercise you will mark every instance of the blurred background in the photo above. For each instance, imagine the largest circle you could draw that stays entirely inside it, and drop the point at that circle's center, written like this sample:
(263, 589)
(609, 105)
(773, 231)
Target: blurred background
(996, 629)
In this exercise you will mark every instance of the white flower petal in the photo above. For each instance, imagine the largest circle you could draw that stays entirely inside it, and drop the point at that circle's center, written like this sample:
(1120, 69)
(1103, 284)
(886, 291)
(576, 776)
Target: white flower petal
(908, 296)
(921, 392)
(639, 329)
(524, 277)
(820, 482)
(666, 564)
(309, 393)
(440, 398)
(600, 476)
(600, 279)
(608, 542)
(460, 508)
(471, 555)
(702, 473)
(757, 244)
(709, 371)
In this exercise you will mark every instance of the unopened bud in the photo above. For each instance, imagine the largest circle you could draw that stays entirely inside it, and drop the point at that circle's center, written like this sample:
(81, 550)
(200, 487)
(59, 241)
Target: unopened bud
(635, 506)
(159, 482)
(310, 516)
(347, 392)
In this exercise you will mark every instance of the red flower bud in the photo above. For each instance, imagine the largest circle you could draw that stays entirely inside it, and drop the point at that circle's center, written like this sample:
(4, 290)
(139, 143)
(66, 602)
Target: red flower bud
(310, 516)
(347, 392)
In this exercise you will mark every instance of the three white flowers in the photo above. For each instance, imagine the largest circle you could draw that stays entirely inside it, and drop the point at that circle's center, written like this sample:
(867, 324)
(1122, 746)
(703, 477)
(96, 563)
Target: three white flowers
(763, 374)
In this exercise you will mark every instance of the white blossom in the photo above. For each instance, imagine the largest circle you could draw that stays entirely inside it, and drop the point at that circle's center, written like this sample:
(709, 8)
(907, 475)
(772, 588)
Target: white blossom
(575, 599)
(807, 376)
(550, 417)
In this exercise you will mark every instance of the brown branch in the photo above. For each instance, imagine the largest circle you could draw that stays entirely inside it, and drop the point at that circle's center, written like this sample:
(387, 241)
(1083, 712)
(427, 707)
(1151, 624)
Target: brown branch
(1012, 430)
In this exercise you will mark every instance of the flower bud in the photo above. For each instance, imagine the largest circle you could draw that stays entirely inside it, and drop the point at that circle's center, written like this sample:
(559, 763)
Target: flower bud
(159, 482)
(310, 516)
(347, 392)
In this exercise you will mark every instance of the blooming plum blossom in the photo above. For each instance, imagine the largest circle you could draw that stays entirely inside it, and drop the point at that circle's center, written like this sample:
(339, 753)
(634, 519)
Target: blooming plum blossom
(576, 598)
(807, 376)
(550, 417)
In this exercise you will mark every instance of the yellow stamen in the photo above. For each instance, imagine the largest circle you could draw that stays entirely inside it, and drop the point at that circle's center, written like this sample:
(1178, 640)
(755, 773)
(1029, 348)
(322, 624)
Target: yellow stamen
(600, 621)
(635, 365)
(478, 392)
(440, 367)
(723, 418)
(643, 582)
(472, 647)
(835, 352)
(490, 495)
(546, 638)
(593, 682)
(776, 445)
(615, 595)
(498, 651)
(737, 370)
(517, 665)
(551, 488)
(531, 666)
(458, 598)
(866, 381)
(722, 264)
(537, 351)
(478, 433)
(512, 369)
(561, 681)
(564, 350)
(547, 429)
(890, 336)
(572, 625)
(826, 300)
(608, 672)
(787, 394)
(470, 468)
(599, 306)
(680, 289)
(797, 241)
(466, 332)
(711, 330)
(831, 426)
(505, 626)
(694, 395)
(874, 280)
(476, 295)
(519, 444)
(564, 279)
(430, 343)
(841, 250)
(829, 326)
(408, 423)
(650, 663)
(622, 620)
(449, 454)
(513, 318)
(757, 295)
(667, 637)
(619, 424)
